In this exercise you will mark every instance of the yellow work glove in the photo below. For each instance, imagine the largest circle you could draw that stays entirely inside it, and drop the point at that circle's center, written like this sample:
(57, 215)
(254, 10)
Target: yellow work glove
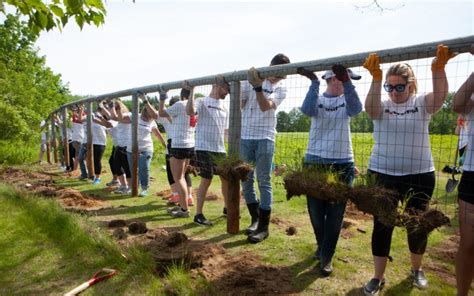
(254, 78)
(442, 57)
(372, 64)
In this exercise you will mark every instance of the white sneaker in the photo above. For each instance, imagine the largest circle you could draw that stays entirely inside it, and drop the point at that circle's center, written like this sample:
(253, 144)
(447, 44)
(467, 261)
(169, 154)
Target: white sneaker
(143, 193)
(173, 209)
(180, 214)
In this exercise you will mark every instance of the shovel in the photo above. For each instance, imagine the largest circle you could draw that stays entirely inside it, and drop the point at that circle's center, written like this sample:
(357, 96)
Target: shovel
(452, 183)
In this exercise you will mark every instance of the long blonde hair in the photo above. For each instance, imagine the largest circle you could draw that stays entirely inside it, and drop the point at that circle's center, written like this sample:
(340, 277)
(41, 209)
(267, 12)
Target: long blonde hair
(406, 72)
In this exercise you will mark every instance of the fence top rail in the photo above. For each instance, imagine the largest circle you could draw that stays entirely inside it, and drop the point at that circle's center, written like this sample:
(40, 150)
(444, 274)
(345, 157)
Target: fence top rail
(412, 52)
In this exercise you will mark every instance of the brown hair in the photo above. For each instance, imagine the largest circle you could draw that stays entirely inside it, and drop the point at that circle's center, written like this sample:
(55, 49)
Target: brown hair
(406, 72)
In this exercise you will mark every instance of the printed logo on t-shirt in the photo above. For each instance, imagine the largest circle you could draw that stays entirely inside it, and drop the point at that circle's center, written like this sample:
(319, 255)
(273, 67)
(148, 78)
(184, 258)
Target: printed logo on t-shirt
(268, 91)
(409, 111)
(333, 109)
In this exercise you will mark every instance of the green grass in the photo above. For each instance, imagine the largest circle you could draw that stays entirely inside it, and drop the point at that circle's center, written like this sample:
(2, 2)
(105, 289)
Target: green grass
(50, 267)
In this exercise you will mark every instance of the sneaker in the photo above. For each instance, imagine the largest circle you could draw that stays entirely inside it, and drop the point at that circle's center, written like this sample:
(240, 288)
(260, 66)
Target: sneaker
(326, 269)
(174, 199)
(419, 279)
(373, 287)
(201, 220)
(82, 178)
(127, 190)
(144, 193)
(96, 181)
(180, 213)
(112, 183)
(173, 209)
(190, 202)
(119, 190)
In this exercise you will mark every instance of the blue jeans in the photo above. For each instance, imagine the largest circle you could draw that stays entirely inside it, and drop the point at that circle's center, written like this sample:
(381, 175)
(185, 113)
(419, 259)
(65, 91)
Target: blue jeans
(144, 162)
(81, 159)
(326, 217)
(260, 153)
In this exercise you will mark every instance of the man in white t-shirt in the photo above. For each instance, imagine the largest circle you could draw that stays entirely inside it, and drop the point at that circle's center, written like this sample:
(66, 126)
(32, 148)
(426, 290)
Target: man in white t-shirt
(259, 101)
(210, 132)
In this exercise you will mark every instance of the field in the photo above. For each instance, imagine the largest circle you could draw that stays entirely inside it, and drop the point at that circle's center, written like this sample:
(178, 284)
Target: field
(47, 250)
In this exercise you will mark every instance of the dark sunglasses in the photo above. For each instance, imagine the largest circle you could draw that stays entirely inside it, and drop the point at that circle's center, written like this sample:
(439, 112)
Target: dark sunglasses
(398, 87)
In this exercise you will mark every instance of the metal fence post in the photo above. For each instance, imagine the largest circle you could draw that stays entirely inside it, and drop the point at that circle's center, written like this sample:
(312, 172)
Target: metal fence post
(48, 145)
(233, 204)
(53, 141)
(65, 139)
(134, 167)
(90, 146)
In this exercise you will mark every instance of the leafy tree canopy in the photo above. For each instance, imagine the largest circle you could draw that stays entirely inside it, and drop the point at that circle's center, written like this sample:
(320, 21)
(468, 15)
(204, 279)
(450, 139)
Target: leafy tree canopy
(56, 13)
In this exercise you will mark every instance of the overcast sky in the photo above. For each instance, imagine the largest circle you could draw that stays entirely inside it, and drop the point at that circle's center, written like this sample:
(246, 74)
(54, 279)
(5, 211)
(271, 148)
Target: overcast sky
(150, 42)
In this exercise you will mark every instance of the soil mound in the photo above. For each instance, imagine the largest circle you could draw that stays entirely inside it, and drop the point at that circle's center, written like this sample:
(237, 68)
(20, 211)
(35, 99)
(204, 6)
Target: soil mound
(242, 274)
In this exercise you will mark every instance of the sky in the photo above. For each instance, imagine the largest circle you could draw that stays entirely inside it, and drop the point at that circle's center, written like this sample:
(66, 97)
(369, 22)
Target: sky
(150, 42)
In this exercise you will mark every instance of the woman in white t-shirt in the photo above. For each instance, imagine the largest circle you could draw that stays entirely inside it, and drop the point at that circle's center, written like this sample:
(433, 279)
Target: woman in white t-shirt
(330, 149)
(182, 145)
(463, 103)
(401, 157)
(99, 141)
(146, 126)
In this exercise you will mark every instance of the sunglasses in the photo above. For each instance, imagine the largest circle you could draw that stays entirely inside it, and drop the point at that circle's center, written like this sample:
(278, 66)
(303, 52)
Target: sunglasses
(397, 87)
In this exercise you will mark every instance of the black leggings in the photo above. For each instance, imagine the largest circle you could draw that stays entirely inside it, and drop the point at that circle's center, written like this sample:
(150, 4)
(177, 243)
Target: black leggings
(72, 155)
(98, 152)
(422, 185)
(168, 169)
(120, 157)
(114, 166)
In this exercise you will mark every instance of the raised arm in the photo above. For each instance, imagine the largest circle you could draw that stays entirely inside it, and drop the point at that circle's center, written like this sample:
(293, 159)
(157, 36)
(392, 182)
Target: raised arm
(435, 100)
(354, 105)
(190, 106)
(373, 102)
(462, 102)
(309, 107)
(256, 81)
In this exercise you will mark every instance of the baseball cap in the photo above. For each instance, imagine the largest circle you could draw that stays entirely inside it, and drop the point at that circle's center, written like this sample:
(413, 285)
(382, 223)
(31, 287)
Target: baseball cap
(330, 74)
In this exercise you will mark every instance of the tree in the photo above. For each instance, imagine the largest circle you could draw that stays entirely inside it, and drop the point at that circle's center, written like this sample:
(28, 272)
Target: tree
(42, 16)
(283, 122)
(28, 89)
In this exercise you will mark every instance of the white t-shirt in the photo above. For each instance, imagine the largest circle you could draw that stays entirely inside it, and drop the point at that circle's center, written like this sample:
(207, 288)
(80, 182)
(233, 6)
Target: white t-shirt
(463, 136)
(77, 132)
(211, 125)
(402, 143)
(145, 142)
(113, 131)
(124, 132)
(99, 135)
(258, 125)
(469, 154)
(330, 136)
(183, 133)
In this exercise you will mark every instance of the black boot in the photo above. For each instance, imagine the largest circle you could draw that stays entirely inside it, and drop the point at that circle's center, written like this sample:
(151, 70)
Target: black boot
(262, 230)
(253, 210)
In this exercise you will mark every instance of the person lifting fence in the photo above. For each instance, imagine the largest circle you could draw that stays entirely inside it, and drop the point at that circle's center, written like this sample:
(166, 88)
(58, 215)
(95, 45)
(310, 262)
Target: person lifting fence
(259, 101)
(182, 146)
(401, 158)
(121, 132)
(210, 133)
(463, 103)
(330, 149)
(146, 127)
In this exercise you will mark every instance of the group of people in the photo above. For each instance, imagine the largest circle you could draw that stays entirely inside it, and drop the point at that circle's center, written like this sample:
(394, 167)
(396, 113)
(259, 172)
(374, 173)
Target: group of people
(401, 157)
